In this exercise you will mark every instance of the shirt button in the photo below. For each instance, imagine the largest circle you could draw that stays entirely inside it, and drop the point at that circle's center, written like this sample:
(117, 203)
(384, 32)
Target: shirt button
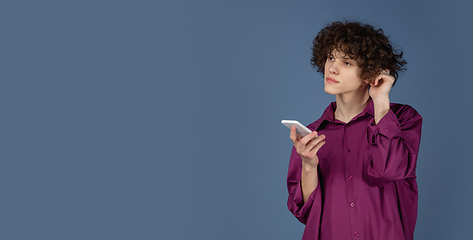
(348, 150)
(357, 234)
(352, 204)
(350, 177)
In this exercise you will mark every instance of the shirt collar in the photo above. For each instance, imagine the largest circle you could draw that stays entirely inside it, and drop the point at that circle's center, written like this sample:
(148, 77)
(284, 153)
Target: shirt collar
(328, 114)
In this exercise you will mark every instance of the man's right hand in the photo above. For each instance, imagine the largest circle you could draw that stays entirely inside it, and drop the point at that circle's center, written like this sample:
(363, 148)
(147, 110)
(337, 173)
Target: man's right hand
(307, 147)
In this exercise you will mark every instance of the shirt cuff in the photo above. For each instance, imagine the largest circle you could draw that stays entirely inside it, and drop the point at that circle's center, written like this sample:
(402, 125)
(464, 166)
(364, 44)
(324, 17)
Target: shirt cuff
(299, 201)
(388, 126)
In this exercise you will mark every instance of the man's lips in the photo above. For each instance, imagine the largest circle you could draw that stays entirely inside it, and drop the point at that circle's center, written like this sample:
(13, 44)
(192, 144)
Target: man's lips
(331, 80)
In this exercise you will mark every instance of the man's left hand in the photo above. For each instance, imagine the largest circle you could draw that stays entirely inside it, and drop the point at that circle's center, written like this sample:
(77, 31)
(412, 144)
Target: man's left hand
(381, 86)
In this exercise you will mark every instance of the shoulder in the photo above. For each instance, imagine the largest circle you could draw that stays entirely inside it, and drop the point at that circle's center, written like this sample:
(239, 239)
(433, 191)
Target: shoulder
(404, 112)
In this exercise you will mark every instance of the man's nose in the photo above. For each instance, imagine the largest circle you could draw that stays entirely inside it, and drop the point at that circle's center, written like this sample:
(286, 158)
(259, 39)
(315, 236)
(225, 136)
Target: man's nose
(333, 67)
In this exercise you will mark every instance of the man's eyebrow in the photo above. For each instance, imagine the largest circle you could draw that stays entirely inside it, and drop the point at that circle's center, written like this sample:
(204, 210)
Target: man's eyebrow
(346, 57)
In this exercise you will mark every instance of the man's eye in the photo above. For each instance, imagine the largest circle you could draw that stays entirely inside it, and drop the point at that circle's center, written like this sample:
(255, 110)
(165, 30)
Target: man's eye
(330, 58)
(347, 63)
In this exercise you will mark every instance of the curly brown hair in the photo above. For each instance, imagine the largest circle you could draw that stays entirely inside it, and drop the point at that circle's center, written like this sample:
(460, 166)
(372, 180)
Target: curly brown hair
(369, 47)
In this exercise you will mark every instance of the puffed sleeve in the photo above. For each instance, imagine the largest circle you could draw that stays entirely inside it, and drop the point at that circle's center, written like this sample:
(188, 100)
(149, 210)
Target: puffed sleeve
(295, 200)
(394, 146)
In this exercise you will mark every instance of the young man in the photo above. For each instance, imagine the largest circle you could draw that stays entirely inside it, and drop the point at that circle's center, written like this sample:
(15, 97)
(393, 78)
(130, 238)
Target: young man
(354, 176)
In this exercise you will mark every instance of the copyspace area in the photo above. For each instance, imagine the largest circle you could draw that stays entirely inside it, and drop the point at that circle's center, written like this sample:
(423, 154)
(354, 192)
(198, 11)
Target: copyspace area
(151, 120)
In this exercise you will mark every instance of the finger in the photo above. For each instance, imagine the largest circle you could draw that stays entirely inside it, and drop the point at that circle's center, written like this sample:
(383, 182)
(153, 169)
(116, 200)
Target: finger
(308, 137)
(388, 78)
(318, 146)
(380, 78)
(375, 82)
(384, 74)
(313, 152)
(307, 151)
(312, 144)
(380, 81)
(385, 78)
(293, 135)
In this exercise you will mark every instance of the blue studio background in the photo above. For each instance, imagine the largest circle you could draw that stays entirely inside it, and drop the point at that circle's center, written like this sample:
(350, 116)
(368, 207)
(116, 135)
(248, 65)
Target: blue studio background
(160, 120)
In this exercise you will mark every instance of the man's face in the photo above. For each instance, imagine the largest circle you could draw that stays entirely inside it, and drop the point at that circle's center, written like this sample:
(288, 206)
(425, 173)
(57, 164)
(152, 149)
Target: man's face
(342, 74)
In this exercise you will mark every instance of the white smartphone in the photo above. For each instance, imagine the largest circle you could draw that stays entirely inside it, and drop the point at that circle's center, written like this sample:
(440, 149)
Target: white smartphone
(300, 129)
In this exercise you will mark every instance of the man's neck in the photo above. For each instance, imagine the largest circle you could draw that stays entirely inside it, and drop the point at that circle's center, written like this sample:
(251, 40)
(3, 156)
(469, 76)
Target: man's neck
(350, 105)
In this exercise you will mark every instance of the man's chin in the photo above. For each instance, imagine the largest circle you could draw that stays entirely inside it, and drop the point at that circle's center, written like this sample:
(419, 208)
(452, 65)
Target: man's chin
(330, 91)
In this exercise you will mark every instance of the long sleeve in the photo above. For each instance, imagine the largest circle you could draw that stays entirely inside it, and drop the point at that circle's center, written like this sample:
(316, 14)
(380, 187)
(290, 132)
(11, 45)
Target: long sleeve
(394, 145)
(295, 201)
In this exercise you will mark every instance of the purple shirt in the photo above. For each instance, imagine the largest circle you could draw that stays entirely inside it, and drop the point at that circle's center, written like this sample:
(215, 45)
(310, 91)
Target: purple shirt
(367, 184)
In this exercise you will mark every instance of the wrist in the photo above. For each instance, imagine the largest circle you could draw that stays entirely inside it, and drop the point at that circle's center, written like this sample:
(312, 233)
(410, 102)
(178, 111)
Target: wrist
(381, 108)
(307, 167)
(381, 100)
